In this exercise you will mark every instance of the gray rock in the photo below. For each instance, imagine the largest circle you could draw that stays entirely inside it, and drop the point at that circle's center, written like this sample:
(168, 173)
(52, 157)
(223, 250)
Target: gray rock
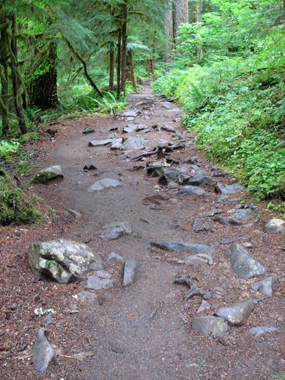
(237, 313)
(234, 222)
(116, 144)
(130, 128)
(199, 178)
(198, 259)
(45, 175)
(96, 283)
(172, 185)
(244, 262)
(115, 230)
(260, 330)
(228, 189)
(168, 175)
(242, 215)
(131, 113)
(223, 199)
(114, 258)
(132, 269)
(274, 226)
(135, 142)
(191, 190)
(204, 306)
(104, 183)
(265, 286)
(165, 105)
(62, 260)
(74, 213)
(210, 326)
(221, 220)
(88, 130)
(100, 142)
(42, 352)
(87, 295)
(183, 179)
(89, 167)
(182, 247)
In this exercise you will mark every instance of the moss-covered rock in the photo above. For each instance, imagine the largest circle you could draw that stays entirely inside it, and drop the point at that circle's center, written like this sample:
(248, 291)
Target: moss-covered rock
(16, 205)
(46, 174)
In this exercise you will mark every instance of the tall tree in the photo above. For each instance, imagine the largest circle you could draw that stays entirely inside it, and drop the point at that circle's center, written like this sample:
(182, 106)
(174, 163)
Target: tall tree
(168, 29)
(180, 16)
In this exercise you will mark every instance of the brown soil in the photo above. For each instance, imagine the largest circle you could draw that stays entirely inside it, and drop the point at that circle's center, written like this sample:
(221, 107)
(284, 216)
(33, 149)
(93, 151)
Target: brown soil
(143, 331)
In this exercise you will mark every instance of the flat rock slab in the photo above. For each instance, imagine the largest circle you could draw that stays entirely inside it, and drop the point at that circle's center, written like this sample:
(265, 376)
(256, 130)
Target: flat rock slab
(116, 144)
(135, 143)
(182, 247)
(45, 175)
(228, 189)
(62, 260)
(265, 286)
(260, 330)
(199, 178)
(134, 127)
(114, 258)
(242, 215)
(87, 295)
(200, 258)
(132, 269)
(115, 230)
(191, 190)
(104, 183)
(237, 313)
(210, 326)
(131, 113)
(100, 142)
(244, 263)
(96, 283)
(274, 226)
(88, 130)
(204, 306)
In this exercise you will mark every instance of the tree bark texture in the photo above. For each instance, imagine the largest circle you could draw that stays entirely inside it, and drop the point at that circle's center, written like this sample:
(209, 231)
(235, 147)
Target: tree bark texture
(119, 65)
(43, 88)
(130, 69)
(168, 31)
(124, 45)
(199, 8)
(112, 66)
(16, 78)
(180, 16)
(4, 48)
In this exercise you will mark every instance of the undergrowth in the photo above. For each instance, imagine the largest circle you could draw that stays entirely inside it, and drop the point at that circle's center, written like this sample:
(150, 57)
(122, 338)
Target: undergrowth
(236, 108)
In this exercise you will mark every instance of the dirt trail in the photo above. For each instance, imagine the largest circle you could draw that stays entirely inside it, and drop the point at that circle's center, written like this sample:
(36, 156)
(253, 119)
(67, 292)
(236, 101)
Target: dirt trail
(144, 331)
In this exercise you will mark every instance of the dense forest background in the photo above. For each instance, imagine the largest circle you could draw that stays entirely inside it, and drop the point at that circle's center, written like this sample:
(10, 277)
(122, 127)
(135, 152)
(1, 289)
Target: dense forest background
(223, 61)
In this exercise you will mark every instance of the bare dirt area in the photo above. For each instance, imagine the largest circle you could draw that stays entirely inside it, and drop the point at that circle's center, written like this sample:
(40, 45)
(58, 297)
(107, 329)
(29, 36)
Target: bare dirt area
(142, 331)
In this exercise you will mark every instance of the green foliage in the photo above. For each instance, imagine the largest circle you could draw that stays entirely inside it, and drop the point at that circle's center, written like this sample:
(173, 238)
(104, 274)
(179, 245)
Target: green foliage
(236, 107)
(16, 206)
(8, 147)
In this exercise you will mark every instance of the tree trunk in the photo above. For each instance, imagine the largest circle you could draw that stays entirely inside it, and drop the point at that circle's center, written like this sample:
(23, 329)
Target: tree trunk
(112, 66)
(168, 31)
(4, 99)
(43, 88)
(130, 69)
(199, 8)
(119, 65)
(16, 78)
(180, 16)
(124, 45)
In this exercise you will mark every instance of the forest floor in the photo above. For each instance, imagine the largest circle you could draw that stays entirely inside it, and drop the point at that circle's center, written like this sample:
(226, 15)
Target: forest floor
(142, 331)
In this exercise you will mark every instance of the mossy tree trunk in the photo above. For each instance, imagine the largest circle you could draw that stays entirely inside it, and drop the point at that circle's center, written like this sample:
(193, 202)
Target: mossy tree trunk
(130, 75)
(5, 25)
(180, 15)
(42, 89)
(112, 66)
(124, 45)
(16, 78)
(119, 65)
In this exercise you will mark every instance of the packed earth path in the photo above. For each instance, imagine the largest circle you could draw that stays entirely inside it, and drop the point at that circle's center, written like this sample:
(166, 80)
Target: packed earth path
(167, 195)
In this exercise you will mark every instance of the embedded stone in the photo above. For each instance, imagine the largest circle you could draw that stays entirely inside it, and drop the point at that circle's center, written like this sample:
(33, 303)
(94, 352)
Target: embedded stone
(132, 269)
(100, 142)
(182, 247)
(274, 226)
(242, 215)
(237, 313)
(260, 330)
(210, 326)
(265, 286)
(191, 190)
(104, 183)
(244, 263)
(62, 260)
(199, 178)
(228, 189)
(45, 175)
(114, 258)
(113, 231)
